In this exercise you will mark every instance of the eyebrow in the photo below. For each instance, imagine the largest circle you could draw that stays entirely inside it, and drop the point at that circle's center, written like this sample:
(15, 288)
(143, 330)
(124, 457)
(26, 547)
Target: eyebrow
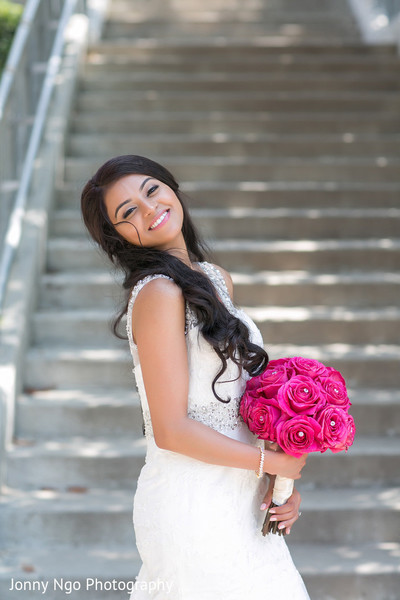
(129, 199)
(144, 183)
(120, 206)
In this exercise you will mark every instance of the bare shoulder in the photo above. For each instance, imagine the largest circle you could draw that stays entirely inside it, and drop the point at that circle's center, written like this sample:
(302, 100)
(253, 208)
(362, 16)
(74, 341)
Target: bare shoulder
(158, 311)
(160, 291)
(228, 279)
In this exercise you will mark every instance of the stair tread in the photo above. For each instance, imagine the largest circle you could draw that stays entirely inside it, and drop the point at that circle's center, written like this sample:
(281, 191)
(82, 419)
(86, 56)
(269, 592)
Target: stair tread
(107, 447)
(245, 76)
(120, 396)
(259, 314)
(81, 447)
(84, 396)
(265, 277)
(324, 351)
(241, 137)
(310, 559)
(365, 560)
(249, 245)
(111, 501)
(270, 213)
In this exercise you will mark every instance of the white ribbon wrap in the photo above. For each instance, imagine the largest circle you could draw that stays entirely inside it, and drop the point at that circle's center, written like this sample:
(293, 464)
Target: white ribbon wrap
(283, 489)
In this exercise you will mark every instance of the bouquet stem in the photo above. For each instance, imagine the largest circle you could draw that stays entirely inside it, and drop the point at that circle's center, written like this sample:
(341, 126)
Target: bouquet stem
(283, 489)
(271, 527)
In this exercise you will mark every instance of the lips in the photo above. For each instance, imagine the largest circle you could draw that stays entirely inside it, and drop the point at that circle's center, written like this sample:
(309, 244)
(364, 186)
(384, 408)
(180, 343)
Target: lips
(160, 218)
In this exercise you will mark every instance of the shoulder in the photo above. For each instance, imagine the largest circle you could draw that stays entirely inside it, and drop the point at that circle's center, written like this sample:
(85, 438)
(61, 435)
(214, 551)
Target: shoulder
(227, 278)
(158, 310)
(159, 290)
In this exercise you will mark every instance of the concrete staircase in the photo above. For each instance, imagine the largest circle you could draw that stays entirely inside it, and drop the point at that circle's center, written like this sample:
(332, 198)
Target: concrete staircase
(284, 129)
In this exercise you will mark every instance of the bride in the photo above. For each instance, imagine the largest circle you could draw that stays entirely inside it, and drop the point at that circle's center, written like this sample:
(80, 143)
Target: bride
(207, 481)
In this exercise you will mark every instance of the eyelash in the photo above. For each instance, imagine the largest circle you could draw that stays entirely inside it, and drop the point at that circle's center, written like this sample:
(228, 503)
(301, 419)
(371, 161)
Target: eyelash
(129, 212)
(151, 190)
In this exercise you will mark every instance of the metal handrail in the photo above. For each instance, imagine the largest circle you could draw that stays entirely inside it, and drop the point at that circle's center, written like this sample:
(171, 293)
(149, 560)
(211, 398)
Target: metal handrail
(21, 167)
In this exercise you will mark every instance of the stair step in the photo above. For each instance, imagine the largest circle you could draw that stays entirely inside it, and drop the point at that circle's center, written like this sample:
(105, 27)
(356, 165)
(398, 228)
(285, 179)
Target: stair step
(92, 412)
(267, 195)
(82, 573)
(339, 6)
(76, 462)
(296, 325)
(330, 101)
(323, 168)
(264, 223)
(80, 518)
(53, 367)
(116, 464)
(340, 255)
(252, 255)
(315, 51)
(76, 290)
(235, 31)
(224, 121)
(354, 571)
(117, 58)
(258, 45)
(105, 517)
(350, 144)
(265, 15)
(88, 412)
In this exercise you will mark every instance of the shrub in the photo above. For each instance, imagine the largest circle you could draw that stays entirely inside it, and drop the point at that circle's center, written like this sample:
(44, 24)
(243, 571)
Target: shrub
(10, 14)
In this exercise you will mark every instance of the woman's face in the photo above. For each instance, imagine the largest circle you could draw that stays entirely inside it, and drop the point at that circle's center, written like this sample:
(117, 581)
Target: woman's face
(145, 211)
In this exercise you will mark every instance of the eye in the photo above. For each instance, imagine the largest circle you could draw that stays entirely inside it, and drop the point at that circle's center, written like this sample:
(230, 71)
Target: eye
(129, 212)
(152, 189)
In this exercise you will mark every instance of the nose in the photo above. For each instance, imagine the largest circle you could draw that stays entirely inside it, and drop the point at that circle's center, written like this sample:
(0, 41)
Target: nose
(150, 205)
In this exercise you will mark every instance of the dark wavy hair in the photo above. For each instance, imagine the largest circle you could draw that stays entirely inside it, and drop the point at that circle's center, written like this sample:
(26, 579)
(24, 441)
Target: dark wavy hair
(227, 334)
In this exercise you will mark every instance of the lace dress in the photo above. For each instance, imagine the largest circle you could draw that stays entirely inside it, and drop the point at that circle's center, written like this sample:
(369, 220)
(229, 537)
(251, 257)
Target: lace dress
(198, 525)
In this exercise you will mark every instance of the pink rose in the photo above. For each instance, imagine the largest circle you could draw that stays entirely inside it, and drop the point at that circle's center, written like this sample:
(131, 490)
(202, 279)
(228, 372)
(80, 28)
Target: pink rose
(335, 375)
(275, 375)
(253, 384)
(300, 396)
(245, 404)
(299, 435)
(334, 428)
(261, 419)
(308, 366)
(336, 392)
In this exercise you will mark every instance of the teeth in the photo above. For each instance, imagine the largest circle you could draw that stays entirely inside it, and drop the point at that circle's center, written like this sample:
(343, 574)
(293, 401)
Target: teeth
(159, 220)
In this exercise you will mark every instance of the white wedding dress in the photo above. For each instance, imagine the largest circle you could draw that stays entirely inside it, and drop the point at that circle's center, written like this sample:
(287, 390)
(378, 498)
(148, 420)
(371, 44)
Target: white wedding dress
(197, 525)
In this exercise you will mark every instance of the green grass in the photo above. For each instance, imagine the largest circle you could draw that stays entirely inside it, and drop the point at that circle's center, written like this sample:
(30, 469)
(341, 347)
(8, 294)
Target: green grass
(10, 14)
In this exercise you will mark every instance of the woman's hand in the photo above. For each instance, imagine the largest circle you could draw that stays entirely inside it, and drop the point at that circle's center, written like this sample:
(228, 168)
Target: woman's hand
(288, 513)
(279, 463)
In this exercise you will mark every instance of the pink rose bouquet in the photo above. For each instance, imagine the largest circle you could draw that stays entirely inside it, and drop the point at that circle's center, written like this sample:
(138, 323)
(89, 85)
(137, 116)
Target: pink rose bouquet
(302, 406)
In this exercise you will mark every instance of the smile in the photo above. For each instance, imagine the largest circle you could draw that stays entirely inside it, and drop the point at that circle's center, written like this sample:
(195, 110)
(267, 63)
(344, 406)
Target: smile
(161, 219)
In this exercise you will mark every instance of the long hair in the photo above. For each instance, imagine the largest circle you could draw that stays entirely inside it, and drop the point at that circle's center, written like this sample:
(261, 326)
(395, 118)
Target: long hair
(227, 334)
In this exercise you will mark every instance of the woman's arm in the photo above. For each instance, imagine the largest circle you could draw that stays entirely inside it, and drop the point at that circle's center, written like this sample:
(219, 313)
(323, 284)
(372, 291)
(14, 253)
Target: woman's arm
(158, 329)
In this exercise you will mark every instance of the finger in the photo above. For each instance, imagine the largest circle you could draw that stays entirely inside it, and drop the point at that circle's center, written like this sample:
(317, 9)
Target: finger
(289, 506)
(266, 501)
(287, 524)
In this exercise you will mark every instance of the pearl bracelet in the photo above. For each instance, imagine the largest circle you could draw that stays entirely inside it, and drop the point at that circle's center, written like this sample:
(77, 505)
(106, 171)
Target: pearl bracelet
(260, 471)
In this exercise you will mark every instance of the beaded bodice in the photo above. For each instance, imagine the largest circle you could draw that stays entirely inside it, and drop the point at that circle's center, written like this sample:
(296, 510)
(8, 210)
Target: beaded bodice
(203, 364)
